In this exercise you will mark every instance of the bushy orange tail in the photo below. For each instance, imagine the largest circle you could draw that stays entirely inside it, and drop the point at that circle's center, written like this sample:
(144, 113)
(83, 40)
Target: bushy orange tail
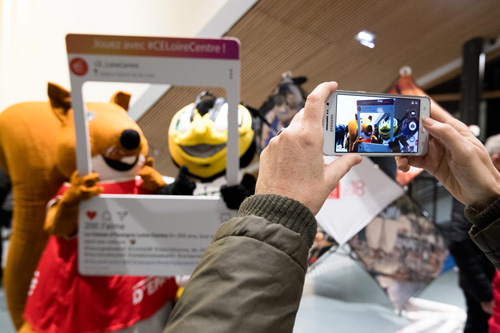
(27, 152)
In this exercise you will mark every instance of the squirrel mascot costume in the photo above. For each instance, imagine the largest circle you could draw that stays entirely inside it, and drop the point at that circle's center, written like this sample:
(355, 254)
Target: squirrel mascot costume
(62, 300)
(59, 299)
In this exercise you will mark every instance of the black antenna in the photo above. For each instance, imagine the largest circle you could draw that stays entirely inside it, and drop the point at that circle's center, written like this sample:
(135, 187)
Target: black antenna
(257, 114)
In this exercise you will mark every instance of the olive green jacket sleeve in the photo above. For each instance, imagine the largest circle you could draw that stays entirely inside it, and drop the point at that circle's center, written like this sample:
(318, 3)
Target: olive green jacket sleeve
(485, 231)
(250, 278)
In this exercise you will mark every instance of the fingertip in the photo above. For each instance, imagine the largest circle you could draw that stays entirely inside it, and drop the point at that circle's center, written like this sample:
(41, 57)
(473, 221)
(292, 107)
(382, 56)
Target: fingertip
(402, 163)
(345, 163)
(428, 122)
(351, 159)
(401, 168)
(354, 159)
(319, 95)
(333, 85)
(357, 159)
(404, 168)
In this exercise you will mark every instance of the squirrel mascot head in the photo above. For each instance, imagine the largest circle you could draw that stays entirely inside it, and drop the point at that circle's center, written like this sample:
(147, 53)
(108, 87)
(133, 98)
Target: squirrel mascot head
(197, 137)
(117, 145)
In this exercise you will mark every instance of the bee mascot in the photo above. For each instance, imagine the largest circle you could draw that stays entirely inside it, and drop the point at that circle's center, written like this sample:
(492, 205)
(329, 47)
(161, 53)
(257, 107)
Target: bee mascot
(197, 140)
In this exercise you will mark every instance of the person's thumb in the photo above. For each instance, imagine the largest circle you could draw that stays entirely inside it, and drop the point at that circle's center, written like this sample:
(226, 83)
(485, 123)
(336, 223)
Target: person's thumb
(338, 168)
(446, 134)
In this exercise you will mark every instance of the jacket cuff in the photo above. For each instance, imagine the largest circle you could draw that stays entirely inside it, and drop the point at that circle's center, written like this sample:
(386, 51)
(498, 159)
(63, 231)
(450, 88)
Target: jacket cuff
(484, 218)
(282, 210)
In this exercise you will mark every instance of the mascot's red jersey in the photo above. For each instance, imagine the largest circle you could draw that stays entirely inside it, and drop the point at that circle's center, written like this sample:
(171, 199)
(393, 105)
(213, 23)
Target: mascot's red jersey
(61, 300)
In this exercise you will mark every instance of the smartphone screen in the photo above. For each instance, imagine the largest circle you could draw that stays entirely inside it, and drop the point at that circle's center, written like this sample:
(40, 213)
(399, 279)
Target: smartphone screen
(371, 124)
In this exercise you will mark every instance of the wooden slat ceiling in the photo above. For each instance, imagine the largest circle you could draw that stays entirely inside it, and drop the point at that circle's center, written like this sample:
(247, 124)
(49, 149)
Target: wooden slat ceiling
(316, 39)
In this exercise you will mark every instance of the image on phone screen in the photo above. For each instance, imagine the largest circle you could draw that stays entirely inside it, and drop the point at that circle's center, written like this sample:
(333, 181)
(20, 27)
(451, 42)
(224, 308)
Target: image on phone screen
(367, 124)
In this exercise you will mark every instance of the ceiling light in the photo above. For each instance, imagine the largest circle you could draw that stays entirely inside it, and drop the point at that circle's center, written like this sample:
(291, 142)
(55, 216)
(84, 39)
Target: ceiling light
(366, 38)
(371, 45)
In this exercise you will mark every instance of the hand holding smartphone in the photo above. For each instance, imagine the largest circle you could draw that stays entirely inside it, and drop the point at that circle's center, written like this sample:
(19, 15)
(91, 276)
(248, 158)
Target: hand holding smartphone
(375, 124)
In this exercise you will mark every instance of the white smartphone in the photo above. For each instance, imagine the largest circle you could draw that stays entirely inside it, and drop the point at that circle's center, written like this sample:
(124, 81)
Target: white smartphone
(375, 124)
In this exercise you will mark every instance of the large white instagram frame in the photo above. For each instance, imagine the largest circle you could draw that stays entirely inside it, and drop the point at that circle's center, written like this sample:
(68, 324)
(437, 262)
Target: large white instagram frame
(154, 60)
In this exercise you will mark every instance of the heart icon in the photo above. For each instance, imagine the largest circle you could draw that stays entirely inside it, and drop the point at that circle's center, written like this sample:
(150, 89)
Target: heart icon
(91, 214)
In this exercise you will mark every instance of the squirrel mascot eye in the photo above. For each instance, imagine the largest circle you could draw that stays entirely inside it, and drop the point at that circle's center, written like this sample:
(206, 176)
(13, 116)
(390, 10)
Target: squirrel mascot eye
(197, 137)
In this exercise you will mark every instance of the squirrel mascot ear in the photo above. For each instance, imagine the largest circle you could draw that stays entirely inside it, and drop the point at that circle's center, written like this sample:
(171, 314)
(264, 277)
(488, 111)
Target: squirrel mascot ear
(122, 99)
(60, 100)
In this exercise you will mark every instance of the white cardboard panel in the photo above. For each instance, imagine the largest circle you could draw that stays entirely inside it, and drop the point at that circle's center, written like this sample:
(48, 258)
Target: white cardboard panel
(362, 194)
(140, 235)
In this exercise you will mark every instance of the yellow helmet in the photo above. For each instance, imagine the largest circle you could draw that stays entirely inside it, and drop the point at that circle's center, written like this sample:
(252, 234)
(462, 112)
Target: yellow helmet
(197, 137)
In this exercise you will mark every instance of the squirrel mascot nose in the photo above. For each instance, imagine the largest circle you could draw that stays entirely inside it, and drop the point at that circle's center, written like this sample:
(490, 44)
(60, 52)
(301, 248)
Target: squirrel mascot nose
(130, 139)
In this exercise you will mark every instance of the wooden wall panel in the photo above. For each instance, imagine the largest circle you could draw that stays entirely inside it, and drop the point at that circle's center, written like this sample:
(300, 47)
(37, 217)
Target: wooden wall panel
(316, 39)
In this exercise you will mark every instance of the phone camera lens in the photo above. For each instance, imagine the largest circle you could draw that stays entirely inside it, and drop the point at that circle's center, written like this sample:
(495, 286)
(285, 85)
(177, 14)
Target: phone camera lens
(327, 103)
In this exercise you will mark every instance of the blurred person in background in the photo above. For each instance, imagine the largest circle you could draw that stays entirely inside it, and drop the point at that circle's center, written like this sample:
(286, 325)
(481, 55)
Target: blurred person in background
(492, 145)
(476, 272)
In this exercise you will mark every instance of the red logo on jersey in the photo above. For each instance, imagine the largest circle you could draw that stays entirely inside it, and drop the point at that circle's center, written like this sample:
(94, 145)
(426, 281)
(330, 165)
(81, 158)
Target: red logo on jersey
(79, 66)
(91, 214)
